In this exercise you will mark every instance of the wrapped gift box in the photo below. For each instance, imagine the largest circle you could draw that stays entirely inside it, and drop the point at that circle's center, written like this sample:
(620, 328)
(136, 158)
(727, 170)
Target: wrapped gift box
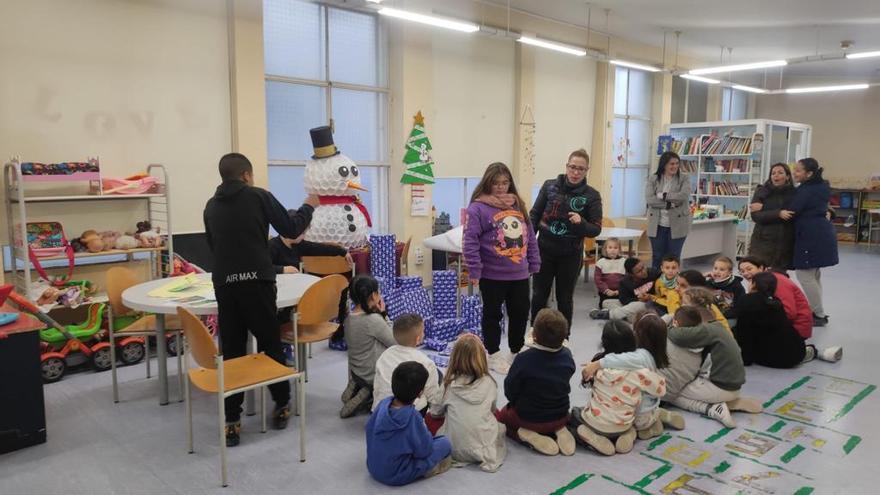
(409, 301)
(445, 289)
(408, 283)
(440, 361)
(382, 260)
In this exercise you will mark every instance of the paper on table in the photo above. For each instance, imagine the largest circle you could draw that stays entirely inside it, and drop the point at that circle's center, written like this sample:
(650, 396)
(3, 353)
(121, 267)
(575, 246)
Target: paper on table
(181, 287)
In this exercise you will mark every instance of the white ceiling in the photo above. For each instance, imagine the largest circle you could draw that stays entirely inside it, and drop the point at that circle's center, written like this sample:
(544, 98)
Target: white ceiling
(755, 29)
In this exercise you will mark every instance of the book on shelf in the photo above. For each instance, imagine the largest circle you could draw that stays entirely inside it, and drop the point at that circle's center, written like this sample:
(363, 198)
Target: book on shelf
(723, 188)
(664, 144)
(689, 166)
(713, 144)
(740, 165)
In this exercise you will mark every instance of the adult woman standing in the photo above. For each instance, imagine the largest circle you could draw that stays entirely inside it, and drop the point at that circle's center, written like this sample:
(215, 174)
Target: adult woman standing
(667, 196)
(773, 237)
(565, 212)
(815, 244)
(501, 252)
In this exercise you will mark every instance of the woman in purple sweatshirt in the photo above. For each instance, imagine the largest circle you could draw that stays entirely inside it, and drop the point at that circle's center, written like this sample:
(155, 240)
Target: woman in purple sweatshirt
(501, 253)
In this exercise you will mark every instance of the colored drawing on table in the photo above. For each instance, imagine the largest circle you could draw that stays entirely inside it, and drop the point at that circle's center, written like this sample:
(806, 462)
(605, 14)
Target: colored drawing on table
(818, 399)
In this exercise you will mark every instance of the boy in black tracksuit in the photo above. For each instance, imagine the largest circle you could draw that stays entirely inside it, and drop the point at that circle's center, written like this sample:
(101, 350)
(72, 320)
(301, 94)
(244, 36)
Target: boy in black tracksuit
(237, 223)
(564, 214)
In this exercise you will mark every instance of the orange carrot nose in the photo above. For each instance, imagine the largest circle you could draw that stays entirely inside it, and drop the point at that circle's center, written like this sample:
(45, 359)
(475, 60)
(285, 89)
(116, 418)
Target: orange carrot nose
(355, 185)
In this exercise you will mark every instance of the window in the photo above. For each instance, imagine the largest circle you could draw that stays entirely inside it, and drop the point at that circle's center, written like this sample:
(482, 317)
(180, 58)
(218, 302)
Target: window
(633, 101)
(451, 195)
(734, 104)
(326, 65)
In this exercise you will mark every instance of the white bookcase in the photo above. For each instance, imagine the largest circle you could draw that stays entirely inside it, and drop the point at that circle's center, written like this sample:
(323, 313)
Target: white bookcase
(732, 158)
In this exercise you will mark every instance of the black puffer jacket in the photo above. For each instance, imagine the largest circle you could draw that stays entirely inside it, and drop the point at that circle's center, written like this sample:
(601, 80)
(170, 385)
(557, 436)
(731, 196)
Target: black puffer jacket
(549, 216)
(773, 238)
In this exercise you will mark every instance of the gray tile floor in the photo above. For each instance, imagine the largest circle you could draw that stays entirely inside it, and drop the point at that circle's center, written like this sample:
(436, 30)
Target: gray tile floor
(134, 447)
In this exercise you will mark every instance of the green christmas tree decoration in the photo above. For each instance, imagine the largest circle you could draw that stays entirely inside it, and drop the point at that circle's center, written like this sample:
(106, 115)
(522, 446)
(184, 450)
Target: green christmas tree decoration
(418, 155)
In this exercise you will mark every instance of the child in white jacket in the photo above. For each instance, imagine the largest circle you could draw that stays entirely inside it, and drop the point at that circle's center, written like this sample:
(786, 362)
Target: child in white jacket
(409, 331)
(468, 404)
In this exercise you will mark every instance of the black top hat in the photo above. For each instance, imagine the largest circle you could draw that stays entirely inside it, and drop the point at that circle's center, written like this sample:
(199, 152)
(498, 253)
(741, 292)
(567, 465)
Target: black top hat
(322, 142)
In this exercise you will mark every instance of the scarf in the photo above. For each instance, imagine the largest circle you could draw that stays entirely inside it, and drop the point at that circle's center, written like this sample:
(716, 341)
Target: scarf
(344, 200)
(505, 201)
(670, 284)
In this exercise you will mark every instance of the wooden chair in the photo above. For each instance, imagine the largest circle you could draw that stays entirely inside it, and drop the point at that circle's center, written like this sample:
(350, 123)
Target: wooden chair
(119, 279)
(226, 378)
(311, 319)
(326, 265)
(404, 258)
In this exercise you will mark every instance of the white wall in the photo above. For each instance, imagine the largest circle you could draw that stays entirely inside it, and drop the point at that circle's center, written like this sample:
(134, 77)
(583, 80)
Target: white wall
(133, 81)
(565, 96)
(845, 127)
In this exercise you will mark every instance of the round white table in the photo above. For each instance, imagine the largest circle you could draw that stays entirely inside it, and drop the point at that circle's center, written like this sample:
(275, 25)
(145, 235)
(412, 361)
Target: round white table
(291, 288)
(624, 234)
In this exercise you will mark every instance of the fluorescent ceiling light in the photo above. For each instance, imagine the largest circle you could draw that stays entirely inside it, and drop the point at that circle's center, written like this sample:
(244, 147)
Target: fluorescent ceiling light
(863, 55)
(818, 89)
(631, 65)
(374, 1)
(559, 47)
(749, 88)
(701, 79)
(734, 68)
(465, 27)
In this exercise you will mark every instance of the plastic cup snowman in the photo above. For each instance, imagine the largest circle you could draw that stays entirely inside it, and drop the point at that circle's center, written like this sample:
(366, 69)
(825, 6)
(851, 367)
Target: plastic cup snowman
(340, 217)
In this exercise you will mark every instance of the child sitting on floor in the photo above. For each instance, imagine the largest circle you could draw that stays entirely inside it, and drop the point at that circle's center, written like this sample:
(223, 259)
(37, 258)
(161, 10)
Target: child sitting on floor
(665, 299)
(409, 331)
(368, 333)
(704, 300)
(633, 292)
(648, 351)
(728, 288)
(400, 449)
(537, 388)
(468, 404)
(609, 273)
(719, 393)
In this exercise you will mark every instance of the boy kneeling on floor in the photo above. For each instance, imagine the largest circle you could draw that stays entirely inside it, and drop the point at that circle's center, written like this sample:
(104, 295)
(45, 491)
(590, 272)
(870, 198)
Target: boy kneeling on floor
(400, 449)
(537, 388)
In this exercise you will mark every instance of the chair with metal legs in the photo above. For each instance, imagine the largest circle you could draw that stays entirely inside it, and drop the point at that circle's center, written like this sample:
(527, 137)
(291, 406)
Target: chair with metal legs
(226, 378)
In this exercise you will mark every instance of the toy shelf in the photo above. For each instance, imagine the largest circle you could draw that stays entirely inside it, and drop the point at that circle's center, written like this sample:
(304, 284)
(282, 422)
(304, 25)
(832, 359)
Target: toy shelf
(155, 204)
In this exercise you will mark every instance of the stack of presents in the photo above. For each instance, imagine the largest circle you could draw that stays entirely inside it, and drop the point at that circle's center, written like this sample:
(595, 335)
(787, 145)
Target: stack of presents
(402, 295)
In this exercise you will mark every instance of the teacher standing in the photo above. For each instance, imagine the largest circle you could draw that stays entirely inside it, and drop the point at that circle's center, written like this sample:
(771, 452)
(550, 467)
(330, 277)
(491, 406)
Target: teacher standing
(815, 243)
(773, 237)
(667, 197)
(565, 212)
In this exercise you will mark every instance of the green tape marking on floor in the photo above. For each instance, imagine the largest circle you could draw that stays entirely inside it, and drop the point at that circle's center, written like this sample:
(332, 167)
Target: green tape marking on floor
(580, 480)
(724, 466)
(631, 487)
(764, 434)
(775, 427)
(719, 434)
(855, 400)
(851, 443)
(791, 454)
(743, 456)
(647, 480)
(660, 441)
(782, 393)
(805, 490)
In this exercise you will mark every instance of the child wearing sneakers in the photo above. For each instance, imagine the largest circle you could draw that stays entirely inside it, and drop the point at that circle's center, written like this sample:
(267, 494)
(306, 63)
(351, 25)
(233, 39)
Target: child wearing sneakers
(633, 293)
(728, 287)
(665, 299)
(468, 405)
(719, 393)
(648, 352)
(607, 419)
(400, 449)
(368, 333)
(409, 331)
(609, 273)
(537, 388)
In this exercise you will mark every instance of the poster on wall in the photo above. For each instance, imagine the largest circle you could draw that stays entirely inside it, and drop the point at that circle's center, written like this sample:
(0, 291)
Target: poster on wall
(419, 164)
(419, 206)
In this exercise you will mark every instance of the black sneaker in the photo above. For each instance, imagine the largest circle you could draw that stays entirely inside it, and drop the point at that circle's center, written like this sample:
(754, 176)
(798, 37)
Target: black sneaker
(600, 314)
(819, 321)
(233, 434)
(280, 416)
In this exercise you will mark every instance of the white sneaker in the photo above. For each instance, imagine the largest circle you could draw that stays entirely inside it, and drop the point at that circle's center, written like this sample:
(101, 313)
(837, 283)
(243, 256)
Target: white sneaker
(721, 413)
(499, 363)
(831, 354)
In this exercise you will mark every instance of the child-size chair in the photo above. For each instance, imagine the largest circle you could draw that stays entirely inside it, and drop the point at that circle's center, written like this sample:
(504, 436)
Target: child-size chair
(226, 378)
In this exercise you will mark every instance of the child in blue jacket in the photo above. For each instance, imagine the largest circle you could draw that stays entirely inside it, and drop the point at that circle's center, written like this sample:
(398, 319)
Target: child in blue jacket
(400, 449)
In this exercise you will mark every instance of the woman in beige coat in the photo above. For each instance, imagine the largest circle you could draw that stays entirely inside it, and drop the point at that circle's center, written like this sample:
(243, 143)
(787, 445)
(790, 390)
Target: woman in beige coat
(667, 195)
(469, 404)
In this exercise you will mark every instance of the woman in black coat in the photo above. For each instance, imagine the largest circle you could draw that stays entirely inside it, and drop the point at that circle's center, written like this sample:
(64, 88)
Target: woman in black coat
(815, 243)
(764, 333)
(773, 237)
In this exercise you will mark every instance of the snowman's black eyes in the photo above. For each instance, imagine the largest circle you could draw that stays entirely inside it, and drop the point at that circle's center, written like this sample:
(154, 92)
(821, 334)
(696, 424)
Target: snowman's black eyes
(354, 171)
(343, 171)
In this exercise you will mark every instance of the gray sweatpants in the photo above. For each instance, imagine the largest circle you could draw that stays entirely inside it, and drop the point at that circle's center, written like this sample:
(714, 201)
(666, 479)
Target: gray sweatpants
(811, 281)
(627, 312)
(699, 394)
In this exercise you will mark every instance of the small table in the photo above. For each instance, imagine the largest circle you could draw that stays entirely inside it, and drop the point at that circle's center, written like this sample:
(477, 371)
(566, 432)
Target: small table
(291, 288)
(23, 417)
(624, 234)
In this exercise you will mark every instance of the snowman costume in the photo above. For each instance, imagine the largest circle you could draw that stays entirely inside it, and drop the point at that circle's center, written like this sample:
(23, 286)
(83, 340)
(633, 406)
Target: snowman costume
(340, 217)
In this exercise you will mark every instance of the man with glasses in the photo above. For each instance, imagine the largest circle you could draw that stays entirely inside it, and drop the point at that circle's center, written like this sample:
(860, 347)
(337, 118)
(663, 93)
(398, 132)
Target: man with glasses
(566, 211)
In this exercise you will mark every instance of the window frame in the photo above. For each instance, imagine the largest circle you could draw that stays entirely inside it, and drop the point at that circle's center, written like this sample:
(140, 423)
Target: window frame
(383, 165)
(627, 119)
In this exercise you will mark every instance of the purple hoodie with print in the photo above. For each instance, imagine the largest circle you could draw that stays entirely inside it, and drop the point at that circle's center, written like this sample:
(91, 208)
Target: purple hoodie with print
(499, 244)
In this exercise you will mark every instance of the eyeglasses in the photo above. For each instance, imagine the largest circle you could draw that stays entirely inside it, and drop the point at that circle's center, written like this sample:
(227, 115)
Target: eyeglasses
(575, 168)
